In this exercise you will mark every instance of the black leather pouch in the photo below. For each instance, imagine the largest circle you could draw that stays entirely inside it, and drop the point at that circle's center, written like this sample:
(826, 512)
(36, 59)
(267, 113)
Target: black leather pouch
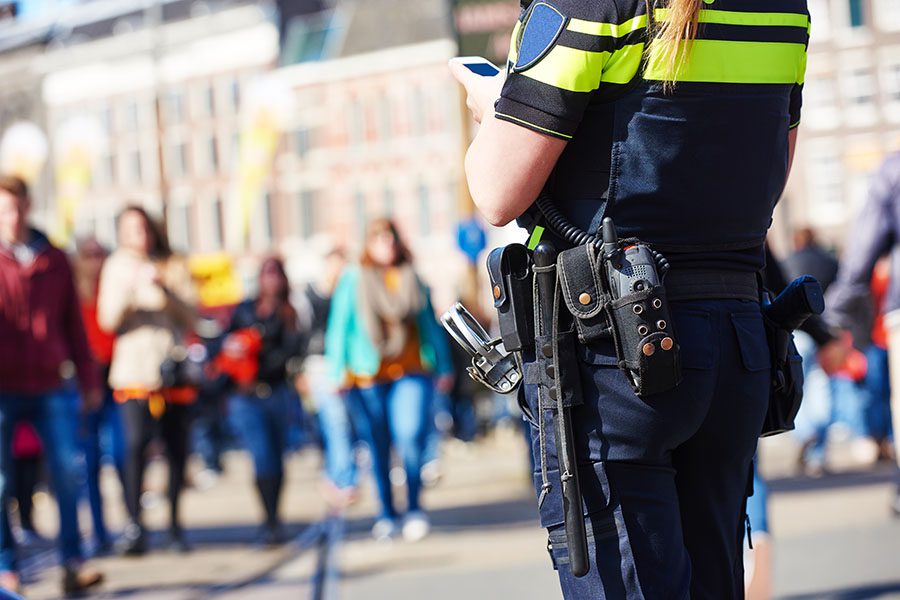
(511, 277)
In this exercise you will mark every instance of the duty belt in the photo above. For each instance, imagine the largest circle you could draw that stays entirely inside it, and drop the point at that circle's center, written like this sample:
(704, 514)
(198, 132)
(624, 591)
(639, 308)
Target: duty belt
(706, 285)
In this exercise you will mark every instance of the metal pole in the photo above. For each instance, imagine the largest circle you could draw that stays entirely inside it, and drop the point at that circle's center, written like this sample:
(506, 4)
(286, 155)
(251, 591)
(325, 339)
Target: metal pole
(153, 16)
(465, 206)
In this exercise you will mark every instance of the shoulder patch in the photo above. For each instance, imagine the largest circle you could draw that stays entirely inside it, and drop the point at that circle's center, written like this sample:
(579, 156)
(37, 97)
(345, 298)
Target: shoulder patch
(541, 28)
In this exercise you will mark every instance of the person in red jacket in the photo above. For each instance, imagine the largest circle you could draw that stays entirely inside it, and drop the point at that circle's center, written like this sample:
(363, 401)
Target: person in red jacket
(41, 338)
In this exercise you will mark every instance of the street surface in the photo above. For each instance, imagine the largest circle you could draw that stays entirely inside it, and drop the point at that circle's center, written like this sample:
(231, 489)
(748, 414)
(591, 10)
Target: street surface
(834, 537)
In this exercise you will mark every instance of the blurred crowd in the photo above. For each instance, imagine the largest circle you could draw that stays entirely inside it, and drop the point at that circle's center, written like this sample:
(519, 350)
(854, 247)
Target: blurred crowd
(108, 359)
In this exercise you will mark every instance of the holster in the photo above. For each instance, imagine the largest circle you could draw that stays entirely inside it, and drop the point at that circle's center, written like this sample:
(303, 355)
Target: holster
(512, 283)
(786, 389)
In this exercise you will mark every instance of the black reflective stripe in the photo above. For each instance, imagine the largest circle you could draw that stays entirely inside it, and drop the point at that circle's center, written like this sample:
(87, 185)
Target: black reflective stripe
(594, 43)
(752, 33)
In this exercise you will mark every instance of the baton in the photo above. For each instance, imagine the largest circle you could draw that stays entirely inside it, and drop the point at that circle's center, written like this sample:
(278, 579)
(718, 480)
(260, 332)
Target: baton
(576, 539)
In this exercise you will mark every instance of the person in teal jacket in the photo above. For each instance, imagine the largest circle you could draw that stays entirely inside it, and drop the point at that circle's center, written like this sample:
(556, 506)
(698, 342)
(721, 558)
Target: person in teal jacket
(387, 353)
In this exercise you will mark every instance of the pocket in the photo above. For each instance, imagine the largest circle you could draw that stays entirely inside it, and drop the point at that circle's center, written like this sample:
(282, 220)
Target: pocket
(693, 330)
(751, 338)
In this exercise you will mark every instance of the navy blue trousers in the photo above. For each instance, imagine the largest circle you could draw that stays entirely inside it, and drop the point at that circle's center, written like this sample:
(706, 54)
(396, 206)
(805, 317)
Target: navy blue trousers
(664, 478)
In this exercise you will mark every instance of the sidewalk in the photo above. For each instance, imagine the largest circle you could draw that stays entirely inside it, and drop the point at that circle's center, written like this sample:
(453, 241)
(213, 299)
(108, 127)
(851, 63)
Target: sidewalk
(834, 537)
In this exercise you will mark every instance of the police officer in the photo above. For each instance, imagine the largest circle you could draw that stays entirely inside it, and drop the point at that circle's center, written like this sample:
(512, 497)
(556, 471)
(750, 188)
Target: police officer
(678, 123)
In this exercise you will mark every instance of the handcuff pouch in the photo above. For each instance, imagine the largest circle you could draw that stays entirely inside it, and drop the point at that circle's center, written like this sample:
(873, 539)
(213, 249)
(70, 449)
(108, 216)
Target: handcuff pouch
(511, 278)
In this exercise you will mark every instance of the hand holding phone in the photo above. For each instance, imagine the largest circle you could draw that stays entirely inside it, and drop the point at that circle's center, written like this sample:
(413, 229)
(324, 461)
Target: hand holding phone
(478, 65)
(483, 82)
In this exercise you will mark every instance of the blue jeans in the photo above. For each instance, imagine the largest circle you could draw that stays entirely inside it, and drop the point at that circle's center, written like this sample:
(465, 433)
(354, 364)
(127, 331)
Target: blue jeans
(103, 435)
(758, 502)
(337, 434)
(395, 413)
(878, 394)
(56, 419)
(262, 424)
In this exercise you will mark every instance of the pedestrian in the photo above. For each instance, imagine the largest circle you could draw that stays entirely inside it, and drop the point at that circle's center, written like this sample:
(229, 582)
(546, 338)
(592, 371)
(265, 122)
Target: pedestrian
(385, 348)
(680, 129)
(41, 338)
(810, 258)
(28, 455)
(260, 343)
(339, 486)
(875, 233)
(103, 435)
(146, 298)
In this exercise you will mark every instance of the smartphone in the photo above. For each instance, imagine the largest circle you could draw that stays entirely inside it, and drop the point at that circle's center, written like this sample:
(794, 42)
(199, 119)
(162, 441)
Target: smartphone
(478, 65)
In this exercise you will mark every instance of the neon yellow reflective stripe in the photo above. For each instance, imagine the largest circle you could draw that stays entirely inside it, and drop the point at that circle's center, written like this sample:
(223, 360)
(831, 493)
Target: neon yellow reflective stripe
(623, 65)
(569, 69)
(730, 17)
(538, 127)
(802, 68)
(607, 29)
(513, 43)
(719, 61)
(535, 238)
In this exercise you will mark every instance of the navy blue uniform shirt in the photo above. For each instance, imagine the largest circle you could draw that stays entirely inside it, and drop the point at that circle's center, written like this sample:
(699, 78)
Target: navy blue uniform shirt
(695, 170)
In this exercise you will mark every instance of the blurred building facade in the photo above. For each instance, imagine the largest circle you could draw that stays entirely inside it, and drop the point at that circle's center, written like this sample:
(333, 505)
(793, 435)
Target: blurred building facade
(851, 113)
(167, 90)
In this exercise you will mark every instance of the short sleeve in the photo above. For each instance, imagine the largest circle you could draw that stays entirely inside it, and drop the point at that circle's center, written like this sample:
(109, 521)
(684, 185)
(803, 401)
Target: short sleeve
(562, 52)
(796, 101)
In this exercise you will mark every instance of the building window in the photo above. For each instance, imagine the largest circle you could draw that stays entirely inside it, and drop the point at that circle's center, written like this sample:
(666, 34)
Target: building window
(130, 117)
(424, 202)
(856, 13)
(305, 213)
(131, 164)
(359, 207)
(218, 223)
(179, 225)
(212, 154)
(388, 201)
(209, 101)
(357, 122)
(234, 94)
(891, 83)
(176, 164)
(104, 170)
(302, 142)
(860, 86)
(384, 116)
(826, 185)
(261, 228)
(175, 112)
(418, 112)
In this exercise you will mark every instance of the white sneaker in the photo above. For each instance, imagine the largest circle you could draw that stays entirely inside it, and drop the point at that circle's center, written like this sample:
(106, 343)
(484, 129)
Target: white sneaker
(416, 526)
(384, 530)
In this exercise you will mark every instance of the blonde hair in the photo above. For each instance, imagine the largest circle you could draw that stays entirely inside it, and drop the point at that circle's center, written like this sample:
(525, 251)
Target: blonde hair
(674, 35)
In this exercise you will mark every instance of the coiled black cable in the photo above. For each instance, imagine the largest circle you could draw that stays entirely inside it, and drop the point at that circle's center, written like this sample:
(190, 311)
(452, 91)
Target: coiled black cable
(561, 226)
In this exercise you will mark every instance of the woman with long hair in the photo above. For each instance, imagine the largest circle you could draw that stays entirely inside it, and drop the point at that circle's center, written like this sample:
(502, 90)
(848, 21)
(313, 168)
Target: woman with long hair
(384, 347)
(677, 120)
(261, 341)
(146, 298)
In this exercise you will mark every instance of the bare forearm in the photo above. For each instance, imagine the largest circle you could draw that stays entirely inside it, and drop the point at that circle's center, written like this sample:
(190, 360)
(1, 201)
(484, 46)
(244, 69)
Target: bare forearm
(507, 166)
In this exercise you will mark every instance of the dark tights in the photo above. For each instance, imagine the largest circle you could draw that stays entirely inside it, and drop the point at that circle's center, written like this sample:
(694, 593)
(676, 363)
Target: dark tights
(140, 427)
